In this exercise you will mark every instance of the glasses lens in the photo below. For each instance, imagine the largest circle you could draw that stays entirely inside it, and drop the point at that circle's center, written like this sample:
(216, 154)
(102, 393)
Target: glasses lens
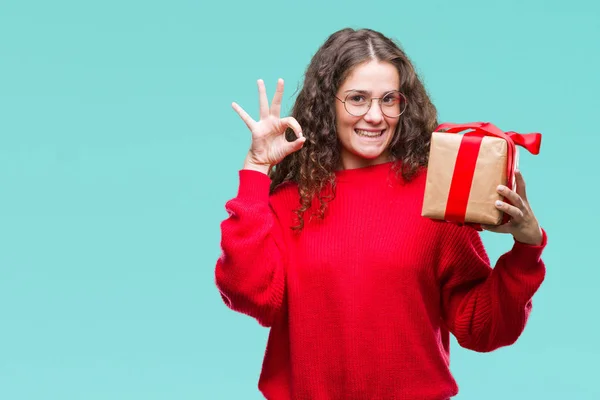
(393, 104)
(357, 103)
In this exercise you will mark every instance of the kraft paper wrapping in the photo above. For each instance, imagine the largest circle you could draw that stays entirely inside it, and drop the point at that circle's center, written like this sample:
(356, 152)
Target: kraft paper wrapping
(490, 171)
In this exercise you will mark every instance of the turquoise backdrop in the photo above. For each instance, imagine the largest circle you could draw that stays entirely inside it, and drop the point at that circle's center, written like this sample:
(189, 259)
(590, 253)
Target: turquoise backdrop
(119, 149)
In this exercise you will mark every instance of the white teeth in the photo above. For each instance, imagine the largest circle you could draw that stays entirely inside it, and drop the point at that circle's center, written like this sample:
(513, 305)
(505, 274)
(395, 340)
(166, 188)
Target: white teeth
(368, 133)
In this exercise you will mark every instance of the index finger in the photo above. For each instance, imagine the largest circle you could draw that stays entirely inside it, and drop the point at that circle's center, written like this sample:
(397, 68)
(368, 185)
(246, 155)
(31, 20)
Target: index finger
(520, 185)
(292, 123)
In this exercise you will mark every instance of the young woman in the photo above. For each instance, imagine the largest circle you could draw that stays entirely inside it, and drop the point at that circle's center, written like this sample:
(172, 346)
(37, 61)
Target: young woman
(325, 243)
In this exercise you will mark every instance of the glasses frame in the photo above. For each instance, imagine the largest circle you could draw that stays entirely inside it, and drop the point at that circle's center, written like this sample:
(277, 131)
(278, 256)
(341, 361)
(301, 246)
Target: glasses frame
(370, 104)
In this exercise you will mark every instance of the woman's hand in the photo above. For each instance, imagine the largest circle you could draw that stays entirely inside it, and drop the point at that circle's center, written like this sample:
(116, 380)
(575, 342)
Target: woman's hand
(523, 225)
(269, 145)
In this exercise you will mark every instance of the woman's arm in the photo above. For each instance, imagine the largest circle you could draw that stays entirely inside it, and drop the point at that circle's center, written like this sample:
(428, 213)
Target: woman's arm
(487, 308)
(250, 273)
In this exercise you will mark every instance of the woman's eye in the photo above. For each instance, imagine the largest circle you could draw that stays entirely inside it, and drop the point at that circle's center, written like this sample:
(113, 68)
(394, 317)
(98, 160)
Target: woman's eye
(357, 98)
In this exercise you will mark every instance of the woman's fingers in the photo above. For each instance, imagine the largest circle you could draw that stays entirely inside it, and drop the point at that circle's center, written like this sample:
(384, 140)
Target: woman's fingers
(520, 184)
(295, 145)
(276, 104)
(513, 211)
(512, 196)
(263, 101)
(292, 123)
(244, 115)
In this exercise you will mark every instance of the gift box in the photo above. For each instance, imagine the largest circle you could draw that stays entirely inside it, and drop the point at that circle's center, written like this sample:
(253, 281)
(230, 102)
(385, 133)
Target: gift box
(464, 171)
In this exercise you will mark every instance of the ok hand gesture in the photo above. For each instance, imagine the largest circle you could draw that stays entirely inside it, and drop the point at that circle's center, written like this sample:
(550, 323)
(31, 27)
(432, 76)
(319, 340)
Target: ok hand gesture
(269, 145)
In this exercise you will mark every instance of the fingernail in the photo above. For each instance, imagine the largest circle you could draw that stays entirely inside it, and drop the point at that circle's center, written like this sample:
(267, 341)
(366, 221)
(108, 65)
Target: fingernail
(500, 188)
(498, 203)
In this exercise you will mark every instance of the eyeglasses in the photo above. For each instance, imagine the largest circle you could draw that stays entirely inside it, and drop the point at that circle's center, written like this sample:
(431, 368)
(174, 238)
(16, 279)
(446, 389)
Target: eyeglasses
(357, 103)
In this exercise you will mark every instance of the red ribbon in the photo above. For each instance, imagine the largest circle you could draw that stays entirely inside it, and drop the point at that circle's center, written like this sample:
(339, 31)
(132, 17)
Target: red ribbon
(464, 169)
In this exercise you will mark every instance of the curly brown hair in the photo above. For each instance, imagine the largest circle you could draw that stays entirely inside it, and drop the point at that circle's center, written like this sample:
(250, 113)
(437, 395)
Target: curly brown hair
(313, 167)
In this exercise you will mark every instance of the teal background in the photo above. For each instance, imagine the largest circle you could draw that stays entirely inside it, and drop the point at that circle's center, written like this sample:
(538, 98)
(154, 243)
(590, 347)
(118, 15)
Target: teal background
(119, 149)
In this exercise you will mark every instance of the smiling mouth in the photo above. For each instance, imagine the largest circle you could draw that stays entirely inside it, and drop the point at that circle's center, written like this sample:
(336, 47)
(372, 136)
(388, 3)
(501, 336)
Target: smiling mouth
(370, 134)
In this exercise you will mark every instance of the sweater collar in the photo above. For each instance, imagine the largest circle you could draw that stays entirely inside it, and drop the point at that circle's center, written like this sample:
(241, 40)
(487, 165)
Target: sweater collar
(364, 173)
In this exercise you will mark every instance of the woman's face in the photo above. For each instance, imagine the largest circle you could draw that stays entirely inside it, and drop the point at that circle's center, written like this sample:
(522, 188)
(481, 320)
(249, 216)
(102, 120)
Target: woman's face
(365, 139)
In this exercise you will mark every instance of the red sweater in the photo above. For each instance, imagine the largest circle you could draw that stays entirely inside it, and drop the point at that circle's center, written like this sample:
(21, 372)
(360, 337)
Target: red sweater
(360, 304)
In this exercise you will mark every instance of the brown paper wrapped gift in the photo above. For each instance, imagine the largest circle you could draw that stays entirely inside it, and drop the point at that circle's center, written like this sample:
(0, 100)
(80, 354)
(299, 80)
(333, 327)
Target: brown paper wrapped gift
(465, 170)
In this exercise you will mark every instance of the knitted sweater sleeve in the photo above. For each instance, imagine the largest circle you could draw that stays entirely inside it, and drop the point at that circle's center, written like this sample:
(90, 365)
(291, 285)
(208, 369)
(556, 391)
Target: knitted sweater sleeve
(250, 271)
(487, 308)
